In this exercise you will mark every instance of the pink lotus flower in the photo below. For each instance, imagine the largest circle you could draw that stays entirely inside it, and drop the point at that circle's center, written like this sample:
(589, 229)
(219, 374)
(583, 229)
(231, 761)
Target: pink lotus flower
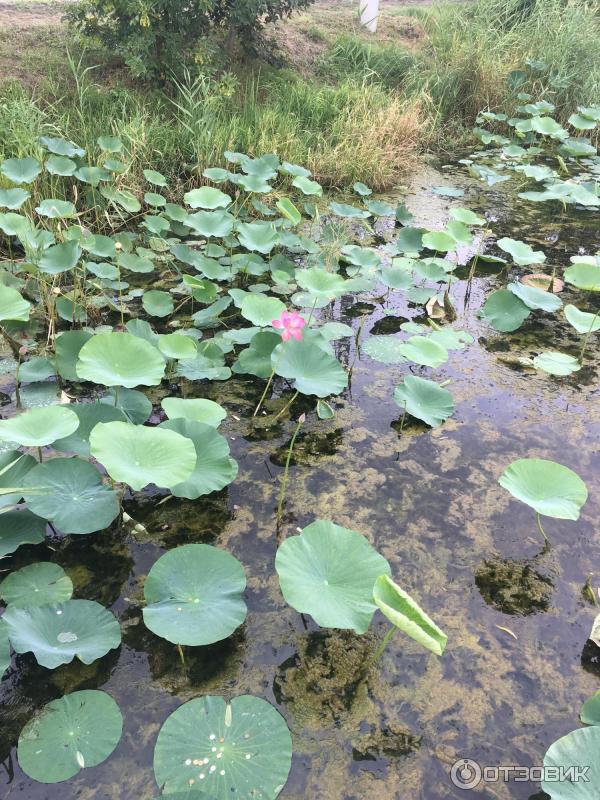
(290, 323)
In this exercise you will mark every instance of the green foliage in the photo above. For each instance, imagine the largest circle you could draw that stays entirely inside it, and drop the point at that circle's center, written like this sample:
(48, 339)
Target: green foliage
(152, 35)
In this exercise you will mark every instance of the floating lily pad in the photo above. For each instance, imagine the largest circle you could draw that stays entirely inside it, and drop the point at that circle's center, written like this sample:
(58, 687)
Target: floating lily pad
(320, 283)
(549, 488)
(590, 711)
(177, 345)
(89, 414)
(197, 409)
(120, 359)
(387, 349)
(261, 310)
(424, 351)
(36, 585)
(256, 359)
(406, 614)
(329, 572)
(20, 527)
(582, 321)
(13, 305)
(194, 595)
(504, 311)
(535, 298)
(521, 253)
(241, 749)
(556, 363)
(577, 749)
(584, 276)
(135, 405)
(313, 370)
(157, 303)
(39, 427)
(214, 468)
(58, 633)
(139, 455)
(259, 237)
(74, 732)
(70, 493)
(424, 400)
(14, 465)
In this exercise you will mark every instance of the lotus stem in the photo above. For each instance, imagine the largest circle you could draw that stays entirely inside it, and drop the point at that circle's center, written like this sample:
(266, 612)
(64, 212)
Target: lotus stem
(181, 656)
(40, 456)
(587, 336)
(286, 406)
(264, 394)
(386, 640)
(541, 529)
(287, 467)
(116, 396)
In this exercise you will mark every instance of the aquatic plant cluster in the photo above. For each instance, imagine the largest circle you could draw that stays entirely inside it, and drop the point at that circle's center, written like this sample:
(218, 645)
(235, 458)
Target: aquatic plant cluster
(249, 271)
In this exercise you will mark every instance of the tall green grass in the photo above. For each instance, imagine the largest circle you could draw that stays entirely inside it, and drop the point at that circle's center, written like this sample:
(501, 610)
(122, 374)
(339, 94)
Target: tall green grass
(469, 51)
(343, 133)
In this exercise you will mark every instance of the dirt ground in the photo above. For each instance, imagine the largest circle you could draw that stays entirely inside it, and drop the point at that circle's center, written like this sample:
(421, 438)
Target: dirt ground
(25, 15)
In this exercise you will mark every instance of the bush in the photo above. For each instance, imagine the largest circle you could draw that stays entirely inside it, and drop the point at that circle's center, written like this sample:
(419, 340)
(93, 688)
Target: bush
(155, 38)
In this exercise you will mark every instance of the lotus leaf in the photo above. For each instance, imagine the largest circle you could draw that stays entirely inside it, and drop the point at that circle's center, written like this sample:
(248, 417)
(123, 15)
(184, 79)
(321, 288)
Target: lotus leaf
(194, 595)
(504, 311)
(70, 493)
(58, 633)
(577, 749)
(36, 585)
(39, 427)
(312, 370)
(196, 409)
(406, 614)
(240, 749)
(76, 731)
(20, 527)
(120, 359)
(138, 455)
(424, 400)
(329, 572)
(549, 488)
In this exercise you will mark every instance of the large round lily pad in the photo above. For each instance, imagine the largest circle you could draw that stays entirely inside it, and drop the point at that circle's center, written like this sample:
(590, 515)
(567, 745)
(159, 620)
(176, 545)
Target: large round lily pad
(237, 750)
(138, 455)
(197, 409)
(504, 311)
(20, 527)
(36, 585)
(76, 731)
(89, 414)
(59, 632)
(39, 427)
(329, 572)
(424, 400)
(120, 359)
(312, 369)
(579, 748)
(549, 488)
(214, 468)
(70, 493)
(194, 595)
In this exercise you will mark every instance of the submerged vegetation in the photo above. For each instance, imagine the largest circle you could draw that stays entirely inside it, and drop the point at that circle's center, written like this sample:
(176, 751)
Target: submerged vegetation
(171, 269)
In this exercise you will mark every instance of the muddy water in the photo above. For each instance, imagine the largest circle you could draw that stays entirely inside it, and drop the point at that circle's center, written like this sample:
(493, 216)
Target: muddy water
(430, 502)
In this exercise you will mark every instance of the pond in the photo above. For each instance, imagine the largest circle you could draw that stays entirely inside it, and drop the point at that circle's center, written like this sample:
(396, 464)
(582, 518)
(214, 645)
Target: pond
(517, 666)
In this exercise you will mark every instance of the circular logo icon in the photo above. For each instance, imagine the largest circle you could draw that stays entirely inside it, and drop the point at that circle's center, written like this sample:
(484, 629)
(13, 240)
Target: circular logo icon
(465, 773)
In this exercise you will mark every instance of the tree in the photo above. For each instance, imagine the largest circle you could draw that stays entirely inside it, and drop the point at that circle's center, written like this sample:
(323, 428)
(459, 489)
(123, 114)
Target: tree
(155, 37)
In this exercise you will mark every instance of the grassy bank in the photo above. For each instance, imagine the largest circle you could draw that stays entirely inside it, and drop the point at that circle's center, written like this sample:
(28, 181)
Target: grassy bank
(348, 106)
